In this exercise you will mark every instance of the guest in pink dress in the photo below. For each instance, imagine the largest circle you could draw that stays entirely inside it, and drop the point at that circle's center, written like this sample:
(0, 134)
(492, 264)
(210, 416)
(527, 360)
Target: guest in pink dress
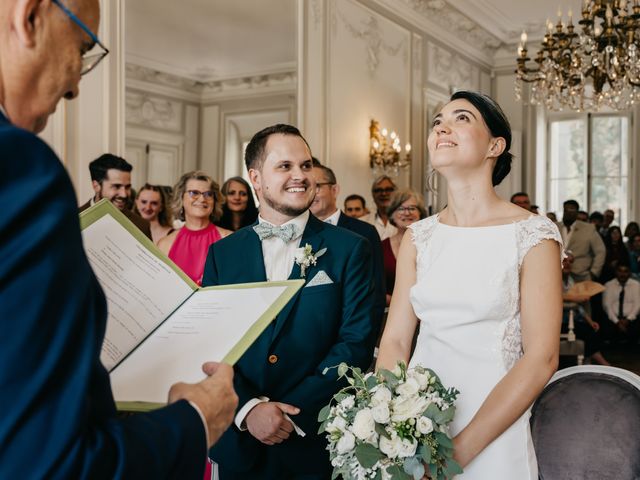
(198, 202)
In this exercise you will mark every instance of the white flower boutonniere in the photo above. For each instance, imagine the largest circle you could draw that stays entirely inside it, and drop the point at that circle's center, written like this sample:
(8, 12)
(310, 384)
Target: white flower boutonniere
(305, 258)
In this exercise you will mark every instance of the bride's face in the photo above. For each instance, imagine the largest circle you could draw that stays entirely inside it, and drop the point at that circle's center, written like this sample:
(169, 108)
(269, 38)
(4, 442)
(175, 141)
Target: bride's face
(460, 138)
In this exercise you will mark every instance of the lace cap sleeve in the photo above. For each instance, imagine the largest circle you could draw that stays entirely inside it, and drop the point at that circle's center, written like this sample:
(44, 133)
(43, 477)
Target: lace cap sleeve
(532, 231)
(421, 232)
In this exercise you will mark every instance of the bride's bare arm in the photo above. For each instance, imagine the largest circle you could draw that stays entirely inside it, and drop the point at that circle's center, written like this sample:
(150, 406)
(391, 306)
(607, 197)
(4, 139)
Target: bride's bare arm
(540, 318)
(401, 321)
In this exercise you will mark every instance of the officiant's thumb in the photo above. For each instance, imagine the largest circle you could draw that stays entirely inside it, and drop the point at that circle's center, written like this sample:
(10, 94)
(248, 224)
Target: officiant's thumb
(286, 408)
(210, 368)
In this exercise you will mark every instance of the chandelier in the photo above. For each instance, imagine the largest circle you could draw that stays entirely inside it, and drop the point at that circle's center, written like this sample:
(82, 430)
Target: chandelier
(596, 67)
(384, 151)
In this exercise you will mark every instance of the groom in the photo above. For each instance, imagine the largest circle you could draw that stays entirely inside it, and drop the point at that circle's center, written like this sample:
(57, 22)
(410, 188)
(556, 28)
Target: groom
(280, 378)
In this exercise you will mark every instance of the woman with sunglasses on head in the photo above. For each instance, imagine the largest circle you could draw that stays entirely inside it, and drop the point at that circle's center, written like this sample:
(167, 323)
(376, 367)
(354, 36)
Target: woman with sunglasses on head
(405, 208)
(239, 208)
(151, 204)
(197, 202)
(483, 279)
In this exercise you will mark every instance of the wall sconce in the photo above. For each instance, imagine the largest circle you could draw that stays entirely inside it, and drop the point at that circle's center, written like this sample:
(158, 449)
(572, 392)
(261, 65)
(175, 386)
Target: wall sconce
(384, 151)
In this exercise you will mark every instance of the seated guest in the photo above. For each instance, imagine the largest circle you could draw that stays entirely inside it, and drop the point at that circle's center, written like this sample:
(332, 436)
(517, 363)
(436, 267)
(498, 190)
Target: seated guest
(632, 229)
(197, 202)
(239, 210)
(325, 208)
(406, 207)
(111, 179)
(584, 326)
(583, 216)
(617, 253)
(634, 256)
(151, 204)
(522, 200)
(355, 206)
(382, 189)
(621, 302)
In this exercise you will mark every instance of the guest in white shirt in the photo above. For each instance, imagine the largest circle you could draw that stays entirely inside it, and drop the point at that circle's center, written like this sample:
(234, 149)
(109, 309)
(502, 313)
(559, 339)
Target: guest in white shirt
(621, 301)
(382, 189)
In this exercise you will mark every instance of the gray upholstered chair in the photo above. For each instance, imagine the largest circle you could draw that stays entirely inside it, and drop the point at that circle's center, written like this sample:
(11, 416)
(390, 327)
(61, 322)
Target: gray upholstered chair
(586, 425)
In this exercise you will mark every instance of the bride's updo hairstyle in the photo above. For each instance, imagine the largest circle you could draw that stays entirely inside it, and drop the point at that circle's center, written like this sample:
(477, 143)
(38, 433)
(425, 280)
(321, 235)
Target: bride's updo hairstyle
(498, 124)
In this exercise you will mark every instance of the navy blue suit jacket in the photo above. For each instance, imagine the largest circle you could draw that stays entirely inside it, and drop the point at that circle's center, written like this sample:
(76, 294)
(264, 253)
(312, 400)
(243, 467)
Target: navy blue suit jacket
(369, 232)
(58, 418)
(320, 327)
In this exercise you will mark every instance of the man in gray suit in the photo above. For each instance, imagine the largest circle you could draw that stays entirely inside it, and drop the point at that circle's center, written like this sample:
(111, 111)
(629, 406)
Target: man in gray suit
(584, 242)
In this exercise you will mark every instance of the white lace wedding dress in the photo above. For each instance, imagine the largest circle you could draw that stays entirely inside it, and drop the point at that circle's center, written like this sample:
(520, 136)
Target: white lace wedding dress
(467, 297)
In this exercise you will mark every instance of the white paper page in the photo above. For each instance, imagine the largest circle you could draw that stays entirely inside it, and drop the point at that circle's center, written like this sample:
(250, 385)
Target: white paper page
(205, 328)
(141, 290)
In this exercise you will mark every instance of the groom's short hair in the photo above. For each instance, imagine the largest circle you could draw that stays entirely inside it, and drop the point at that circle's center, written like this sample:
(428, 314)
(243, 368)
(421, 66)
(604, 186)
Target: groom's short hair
(254, 154)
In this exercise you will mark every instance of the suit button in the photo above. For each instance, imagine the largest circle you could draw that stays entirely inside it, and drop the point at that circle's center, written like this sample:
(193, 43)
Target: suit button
(273, 359)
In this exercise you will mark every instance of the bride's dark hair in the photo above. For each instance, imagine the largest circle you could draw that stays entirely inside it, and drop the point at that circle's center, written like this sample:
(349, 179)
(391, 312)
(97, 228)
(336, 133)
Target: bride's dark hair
(498, 125)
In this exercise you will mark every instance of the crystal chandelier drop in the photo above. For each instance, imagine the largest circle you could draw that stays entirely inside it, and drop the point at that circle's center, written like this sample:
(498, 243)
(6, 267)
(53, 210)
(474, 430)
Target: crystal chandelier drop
(584, 71)
(385, 151)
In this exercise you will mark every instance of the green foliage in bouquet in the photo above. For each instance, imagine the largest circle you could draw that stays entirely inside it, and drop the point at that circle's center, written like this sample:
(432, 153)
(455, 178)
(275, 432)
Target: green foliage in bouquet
(391, 425)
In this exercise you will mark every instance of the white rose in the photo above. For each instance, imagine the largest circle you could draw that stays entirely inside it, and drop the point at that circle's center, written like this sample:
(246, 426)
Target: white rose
(346, 443)
(338, 424)
(300, 255)
(424, 425)
(403, 408)
(407, 448)
(347, 402)
(421, 378)
(390, 446)
(381, 413)
(382, 395)
(363, 425)
(408, 388)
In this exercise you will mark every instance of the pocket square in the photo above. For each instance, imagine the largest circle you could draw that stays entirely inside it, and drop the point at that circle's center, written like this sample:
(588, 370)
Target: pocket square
(321, 278)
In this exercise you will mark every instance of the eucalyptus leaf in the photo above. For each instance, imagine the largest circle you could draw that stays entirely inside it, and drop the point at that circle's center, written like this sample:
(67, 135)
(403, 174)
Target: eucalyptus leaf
(425, 452)
(443, 439)
(324, 413)
(452, 468)
(397, 473)
(342, 369)
(368, 455)
(380, 430)
(371, 382)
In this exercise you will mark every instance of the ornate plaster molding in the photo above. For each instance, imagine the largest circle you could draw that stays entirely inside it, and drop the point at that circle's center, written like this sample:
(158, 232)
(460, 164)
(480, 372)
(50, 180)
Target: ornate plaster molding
(151, 111)
(449, 70)
(456, 22)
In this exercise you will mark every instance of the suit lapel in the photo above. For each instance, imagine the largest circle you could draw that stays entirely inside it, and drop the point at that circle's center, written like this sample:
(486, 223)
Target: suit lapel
(311, 236)
(254, 259)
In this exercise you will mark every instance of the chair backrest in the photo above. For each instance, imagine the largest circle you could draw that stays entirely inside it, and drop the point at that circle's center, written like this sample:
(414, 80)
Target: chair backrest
(586, 425)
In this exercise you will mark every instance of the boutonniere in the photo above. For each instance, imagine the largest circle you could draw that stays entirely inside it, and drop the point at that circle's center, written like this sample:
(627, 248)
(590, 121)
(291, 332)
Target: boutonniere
(305, 258)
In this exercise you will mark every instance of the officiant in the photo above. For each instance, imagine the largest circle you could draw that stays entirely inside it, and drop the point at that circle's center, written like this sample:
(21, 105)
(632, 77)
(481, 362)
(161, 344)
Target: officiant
(58, 414)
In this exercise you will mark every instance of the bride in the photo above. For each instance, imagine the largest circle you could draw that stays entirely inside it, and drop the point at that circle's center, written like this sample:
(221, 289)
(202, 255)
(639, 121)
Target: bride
(483, 279)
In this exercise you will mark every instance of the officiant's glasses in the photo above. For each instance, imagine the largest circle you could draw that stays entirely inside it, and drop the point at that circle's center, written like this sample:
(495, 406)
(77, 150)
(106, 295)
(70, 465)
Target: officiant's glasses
(89, 62)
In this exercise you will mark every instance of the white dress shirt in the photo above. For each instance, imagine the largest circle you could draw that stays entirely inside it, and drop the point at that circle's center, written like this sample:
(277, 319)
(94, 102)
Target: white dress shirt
(333, 218)
(385, 231)
(279, 256)
(278, 263)
(611, 299)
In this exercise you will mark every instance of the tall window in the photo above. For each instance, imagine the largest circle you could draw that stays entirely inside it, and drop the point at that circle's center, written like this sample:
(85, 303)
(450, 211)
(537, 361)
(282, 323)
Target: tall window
(588, 161)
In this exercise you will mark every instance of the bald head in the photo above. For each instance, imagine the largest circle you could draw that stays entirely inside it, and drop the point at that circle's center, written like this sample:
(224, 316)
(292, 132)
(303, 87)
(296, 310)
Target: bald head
(41, 51)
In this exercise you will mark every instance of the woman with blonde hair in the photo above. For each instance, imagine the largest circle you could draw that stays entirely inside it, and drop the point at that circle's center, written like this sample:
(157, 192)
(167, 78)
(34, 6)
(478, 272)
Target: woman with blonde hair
(151, 204)
(405, 208)
(198, 202)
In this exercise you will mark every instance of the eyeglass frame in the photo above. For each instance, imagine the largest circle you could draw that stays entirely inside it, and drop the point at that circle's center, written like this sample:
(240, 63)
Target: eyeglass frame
(408, 209)
(195, 194)
(322, 184)
(88, 62)
(383, 190)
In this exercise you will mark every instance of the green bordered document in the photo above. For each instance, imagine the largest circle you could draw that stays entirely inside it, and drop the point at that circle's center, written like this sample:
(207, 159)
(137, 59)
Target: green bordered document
(161, 327)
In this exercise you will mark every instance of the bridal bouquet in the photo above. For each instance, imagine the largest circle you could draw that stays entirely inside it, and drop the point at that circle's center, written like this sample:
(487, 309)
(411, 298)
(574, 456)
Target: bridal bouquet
(391, 425)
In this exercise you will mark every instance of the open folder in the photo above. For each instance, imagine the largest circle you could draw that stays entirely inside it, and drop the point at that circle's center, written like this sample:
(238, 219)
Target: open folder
(161, 327)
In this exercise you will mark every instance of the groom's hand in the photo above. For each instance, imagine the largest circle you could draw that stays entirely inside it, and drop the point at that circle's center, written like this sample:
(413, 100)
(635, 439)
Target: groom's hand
(267, 423)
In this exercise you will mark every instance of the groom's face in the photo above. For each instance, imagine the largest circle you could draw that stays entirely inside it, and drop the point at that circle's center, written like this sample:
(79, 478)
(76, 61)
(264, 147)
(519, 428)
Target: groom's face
(284, 183)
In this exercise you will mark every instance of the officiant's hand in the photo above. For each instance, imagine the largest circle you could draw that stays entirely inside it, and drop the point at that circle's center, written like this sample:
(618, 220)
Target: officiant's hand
(214, 396)
(267, 423)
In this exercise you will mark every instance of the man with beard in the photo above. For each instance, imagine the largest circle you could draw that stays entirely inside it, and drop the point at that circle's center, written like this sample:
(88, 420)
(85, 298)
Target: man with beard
(111, 179)
(280, 379)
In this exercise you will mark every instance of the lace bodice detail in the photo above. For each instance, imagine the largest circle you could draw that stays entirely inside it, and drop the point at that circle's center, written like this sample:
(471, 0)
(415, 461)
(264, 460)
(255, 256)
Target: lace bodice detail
(532, 231)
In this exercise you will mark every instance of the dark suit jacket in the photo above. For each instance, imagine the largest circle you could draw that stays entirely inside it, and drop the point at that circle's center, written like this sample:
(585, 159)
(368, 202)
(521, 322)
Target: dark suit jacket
(320, 327)
(58, 417)
(369, 232)
(136, 219)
